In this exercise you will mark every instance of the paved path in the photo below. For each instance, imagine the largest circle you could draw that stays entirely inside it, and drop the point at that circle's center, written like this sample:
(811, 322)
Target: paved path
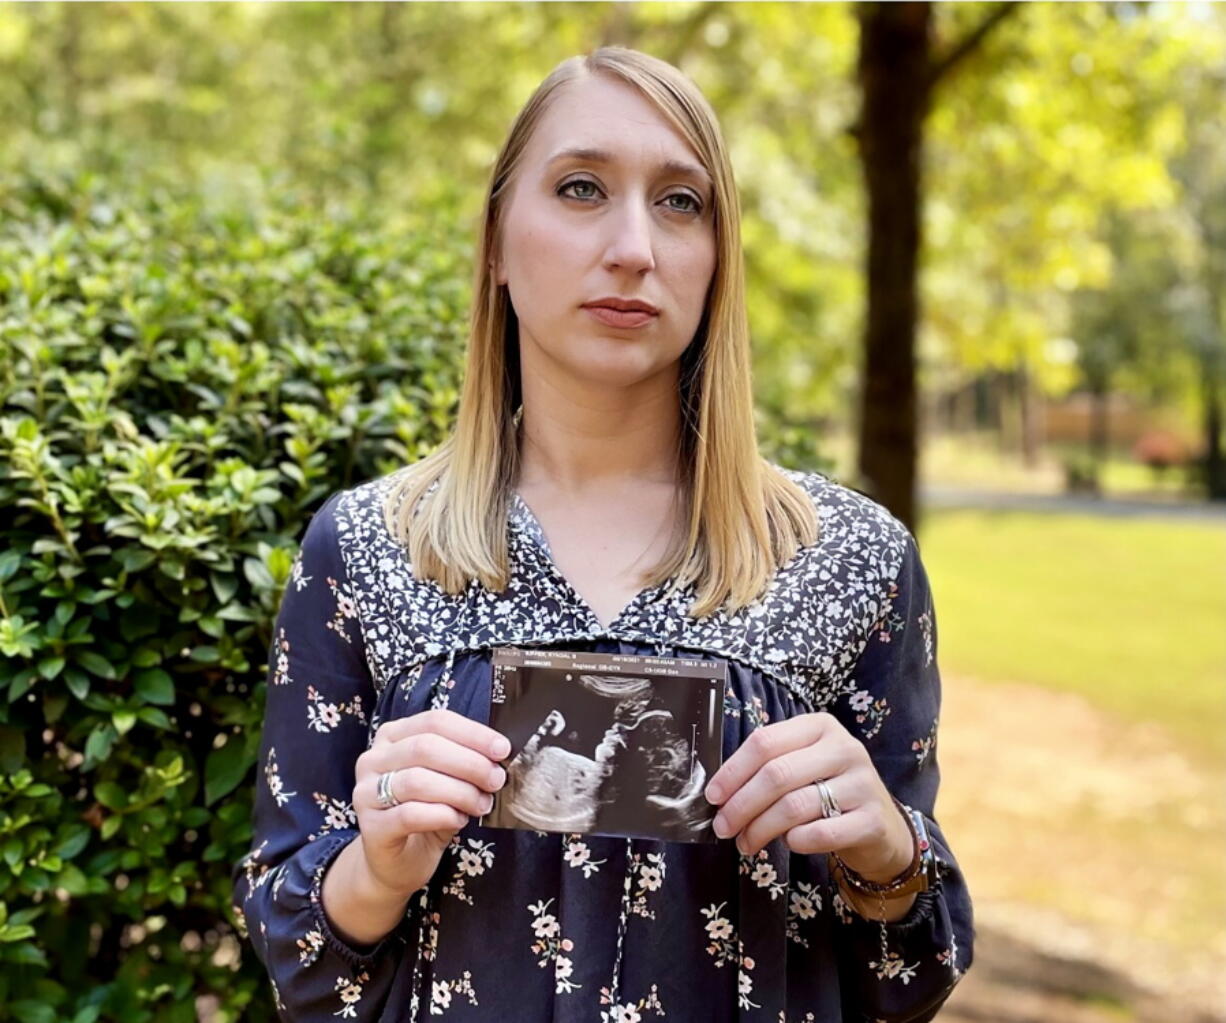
(937, 496)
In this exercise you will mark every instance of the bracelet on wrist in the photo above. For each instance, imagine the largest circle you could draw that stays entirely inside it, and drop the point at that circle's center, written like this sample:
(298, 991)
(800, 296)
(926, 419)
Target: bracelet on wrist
(920, 874)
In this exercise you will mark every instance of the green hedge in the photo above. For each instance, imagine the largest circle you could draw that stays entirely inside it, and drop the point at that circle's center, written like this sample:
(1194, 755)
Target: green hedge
(180, 387)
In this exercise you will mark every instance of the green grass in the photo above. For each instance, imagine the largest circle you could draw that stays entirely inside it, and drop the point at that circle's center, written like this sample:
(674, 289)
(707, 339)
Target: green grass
(1130, 613)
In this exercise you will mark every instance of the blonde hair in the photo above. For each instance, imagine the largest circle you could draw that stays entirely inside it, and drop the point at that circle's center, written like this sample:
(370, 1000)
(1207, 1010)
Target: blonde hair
(742, 520)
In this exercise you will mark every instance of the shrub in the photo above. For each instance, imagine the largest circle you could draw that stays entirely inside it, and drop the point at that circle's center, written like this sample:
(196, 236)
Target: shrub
(181, 386)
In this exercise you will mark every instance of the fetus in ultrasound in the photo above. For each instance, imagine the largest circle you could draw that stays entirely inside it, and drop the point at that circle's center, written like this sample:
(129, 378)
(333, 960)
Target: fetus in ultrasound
(615, 760)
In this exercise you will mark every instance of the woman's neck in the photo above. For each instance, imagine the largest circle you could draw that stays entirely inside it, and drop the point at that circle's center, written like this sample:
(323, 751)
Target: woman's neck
(588, 447)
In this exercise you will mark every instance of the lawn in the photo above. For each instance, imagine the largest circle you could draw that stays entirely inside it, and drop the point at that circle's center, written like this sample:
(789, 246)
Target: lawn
(1064, 640)
(1130, 613)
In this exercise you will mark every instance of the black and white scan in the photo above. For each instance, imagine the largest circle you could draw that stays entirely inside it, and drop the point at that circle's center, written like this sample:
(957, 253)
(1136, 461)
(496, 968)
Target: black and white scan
(607, 744)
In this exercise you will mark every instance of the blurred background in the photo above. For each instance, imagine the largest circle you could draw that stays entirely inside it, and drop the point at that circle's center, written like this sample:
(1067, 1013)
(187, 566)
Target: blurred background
(986, 252)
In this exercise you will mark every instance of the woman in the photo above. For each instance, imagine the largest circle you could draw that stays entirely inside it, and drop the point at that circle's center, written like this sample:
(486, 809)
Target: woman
(606, 422)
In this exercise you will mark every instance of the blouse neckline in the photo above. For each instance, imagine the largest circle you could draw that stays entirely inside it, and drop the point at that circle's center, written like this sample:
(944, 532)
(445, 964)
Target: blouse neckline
(523, 516)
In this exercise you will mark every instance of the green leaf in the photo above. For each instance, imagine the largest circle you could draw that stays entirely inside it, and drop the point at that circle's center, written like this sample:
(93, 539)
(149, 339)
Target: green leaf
(73, 880)
(225, 586)
(173, 568)
(110, 826)
(25, 955)
(134, 559)
(24, 916)
(123, 720)
(49, 667)
(155, 717)
(77, 682)
(213, 626)
(257, 574)
(18, 932)
(98, 745)
(74, 839)
(10, 561)
(238, 613)
(95, 664)
(155, 686)
(111, 795)
(27, 1010)
(146, 658)
(225, 768)
(21, 683)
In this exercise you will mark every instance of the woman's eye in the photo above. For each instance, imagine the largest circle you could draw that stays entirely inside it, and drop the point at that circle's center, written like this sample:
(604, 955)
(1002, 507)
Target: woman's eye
(694, 207)
(580, 182)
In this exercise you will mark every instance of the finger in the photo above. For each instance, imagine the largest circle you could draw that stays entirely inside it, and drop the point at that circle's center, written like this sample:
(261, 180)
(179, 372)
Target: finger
(436, 752)
(450, 725)
(831, 834)
(792, 809)
(423, 785)
(765, 743)
(388, 828)
(788, 780)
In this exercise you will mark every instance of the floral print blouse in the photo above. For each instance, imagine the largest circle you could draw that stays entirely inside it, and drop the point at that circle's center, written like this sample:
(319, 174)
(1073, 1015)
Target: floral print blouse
(524, 926)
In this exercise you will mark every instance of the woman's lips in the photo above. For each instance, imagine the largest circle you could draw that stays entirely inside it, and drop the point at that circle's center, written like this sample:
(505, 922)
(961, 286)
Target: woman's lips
(619, 317)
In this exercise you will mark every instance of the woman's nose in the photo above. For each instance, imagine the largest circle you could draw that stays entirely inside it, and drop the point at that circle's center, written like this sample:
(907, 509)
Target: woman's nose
(631, 243)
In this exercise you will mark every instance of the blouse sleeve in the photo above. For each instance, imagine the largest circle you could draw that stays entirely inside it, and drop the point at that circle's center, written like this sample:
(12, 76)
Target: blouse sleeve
(893, 707)
(319, 696)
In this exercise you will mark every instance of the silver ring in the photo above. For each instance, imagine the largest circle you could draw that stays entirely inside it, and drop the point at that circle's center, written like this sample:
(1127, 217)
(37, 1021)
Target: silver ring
(384, 795)
(830, 806)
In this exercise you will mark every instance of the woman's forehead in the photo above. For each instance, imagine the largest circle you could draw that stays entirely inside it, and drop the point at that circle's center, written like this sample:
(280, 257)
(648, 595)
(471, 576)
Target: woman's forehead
(596, 120)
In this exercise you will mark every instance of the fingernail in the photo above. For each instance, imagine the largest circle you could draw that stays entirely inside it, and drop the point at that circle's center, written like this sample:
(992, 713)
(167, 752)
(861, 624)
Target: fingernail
(714, 793)
(720, 826)
(489, 803)
(500, 748)
(742, 846)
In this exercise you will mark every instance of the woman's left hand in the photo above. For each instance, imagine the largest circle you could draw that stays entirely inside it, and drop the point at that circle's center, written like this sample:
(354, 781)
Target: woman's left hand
(766, 790)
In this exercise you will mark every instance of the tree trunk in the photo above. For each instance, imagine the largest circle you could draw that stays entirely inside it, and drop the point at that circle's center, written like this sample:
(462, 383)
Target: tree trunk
(1004, 389)
(1029, 408)
(1214, 461)
(893, 71)
(1100, 424)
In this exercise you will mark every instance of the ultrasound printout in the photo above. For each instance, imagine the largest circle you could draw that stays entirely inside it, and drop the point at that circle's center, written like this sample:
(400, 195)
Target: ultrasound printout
(609, 744)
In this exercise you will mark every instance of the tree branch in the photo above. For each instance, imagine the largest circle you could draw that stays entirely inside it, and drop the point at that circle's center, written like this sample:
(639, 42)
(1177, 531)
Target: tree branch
(969, 43)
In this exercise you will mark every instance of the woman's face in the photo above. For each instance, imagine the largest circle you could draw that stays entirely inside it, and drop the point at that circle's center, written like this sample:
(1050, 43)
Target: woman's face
(631, 219)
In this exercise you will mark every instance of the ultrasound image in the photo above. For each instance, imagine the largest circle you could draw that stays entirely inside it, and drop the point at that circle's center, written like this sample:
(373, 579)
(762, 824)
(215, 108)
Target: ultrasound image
(608, 753)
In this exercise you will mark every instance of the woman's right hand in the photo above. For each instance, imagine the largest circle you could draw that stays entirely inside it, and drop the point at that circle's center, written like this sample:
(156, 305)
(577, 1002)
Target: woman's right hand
(446, 769)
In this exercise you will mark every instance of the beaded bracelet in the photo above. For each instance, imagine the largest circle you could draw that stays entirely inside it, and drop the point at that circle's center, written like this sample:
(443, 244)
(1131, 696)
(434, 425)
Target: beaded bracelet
(918, 876)
(888, 889)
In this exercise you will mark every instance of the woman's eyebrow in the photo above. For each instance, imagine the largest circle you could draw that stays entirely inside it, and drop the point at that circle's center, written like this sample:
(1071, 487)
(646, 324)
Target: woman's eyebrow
(589, 155)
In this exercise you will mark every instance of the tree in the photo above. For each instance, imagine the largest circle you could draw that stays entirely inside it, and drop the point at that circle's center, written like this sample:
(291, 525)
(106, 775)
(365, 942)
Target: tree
(898, 74)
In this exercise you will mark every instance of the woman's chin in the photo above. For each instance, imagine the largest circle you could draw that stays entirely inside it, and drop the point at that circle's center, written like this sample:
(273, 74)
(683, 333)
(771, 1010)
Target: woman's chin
(622, 363)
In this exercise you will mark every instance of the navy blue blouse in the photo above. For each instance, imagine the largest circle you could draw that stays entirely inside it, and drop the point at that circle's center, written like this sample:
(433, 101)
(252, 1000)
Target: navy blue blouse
(523, 926)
